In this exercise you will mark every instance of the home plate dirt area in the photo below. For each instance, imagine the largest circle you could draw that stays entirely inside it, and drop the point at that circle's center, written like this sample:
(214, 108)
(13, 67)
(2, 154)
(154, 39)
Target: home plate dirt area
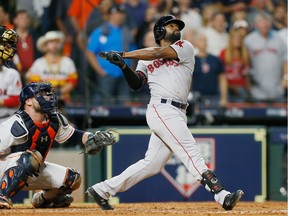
(157, 209)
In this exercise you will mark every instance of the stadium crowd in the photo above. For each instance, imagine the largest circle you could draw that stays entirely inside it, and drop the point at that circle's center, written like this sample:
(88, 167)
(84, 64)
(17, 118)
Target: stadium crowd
(241, 46)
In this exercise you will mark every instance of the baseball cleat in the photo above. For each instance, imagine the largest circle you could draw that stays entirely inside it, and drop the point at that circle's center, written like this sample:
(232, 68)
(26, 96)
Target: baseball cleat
(38, 201)
(232, 199)
(63, 201)
(102, 203)
(5, 203)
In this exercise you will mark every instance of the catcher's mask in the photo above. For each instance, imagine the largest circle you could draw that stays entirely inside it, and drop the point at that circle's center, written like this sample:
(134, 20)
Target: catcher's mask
(159, 30)
(43, 92)
(8, 41)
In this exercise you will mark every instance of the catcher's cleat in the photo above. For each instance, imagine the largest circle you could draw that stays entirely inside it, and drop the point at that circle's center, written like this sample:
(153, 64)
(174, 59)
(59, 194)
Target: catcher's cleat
(5, 203)
(232, 199)
(102, 203)
(38, 201)
(63, 201)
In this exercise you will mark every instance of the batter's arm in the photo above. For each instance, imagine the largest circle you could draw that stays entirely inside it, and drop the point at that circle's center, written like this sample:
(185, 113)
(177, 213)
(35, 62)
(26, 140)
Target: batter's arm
(135, 80)
(151, 53)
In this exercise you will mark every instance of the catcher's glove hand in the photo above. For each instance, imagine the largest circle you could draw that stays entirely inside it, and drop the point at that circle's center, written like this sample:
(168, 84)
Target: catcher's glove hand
(114, 58)
(96, 142)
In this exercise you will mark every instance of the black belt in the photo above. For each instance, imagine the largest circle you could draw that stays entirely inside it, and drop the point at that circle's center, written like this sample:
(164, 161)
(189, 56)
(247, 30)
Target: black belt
(174, 103)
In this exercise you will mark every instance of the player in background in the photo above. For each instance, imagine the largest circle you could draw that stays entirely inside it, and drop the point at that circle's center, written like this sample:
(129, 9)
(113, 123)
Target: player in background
(10, 81)
(25, 141)
(168, 71)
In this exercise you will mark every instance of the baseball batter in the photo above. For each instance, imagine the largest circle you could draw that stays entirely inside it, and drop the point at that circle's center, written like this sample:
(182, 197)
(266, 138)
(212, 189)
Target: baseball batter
(25, 141)
(10, 81)
(168, 71)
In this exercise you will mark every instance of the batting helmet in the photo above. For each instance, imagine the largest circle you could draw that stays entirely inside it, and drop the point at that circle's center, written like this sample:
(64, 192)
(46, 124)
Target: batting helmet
(160, 31)
(8, 41)
(39, 90)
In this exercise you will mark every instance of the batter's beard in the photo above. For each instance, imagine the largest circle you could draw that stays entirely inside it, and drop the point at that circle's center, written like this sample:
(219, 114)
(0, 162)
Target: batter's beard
(173, 37)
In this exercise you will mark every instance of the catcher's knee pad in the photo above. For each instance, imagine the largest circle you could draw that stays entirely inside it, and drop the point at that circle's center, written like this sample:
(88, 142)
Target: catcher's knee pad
(72, 180)
(14, 178)
(211, 182)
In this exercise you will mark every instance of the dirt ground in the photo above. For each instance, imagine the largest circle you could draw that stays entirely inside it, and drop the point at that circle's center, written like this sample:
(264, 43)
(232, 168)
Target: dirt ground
(157, 209)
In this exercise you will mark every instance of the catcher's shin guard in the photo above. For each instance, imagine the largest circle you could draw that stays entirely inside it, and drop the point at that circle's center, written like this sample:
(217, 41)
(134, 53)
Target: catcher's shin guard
(72, 181)
(58, 197)
(211, 182)
(14, 178)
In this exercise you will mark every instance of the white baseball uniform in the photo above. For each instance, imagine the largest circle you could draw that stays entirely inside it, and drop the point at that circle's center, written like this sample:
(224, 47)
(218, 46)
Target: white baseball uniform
(169, 82)
(10, 85)
(51, 176)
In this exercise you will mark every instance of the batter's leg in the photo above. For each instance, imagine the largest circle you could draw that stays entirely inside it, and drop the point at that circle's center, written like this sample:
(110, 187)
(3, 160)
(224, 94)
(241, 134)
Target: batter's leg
(171, 126)
(155, 158)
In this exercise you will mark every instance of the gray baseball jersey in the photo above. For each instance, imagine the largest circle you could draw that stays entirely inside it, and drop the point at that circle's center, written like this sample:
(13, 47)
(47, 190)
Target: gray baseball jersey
(10, 84)
(267, 58)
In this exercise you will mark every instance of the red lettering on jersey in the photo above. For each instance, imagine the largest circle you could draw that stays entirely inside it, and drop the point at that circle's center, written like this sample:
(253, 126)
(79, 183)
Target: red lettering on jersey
(156, 64)
(150, 68)
(18, 84)
(159, 62)
(179, 43)
(3, 92)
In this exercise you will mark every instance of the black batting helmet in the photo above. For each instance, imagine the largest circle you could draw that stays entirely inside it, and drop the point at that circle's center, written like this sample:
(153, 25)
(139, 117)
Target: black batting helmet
(160, 31)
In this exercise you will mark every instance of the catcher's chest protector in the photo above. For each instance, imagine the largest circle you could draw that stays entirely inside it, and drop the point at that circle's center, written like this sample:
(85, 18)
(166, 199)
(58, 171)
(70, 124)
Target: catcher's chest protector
(39, 138)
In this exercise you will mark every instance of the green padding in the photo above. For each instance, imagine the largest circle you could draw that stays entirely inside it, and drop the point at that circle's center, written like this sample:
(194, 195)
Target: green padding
(275, 172)
(94, 172)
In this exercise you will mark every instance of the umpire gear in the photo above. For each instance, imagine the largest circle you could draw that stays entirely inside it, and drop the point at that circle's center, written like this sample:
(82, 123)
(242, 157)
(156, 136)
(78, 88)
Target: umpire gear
(160, 31)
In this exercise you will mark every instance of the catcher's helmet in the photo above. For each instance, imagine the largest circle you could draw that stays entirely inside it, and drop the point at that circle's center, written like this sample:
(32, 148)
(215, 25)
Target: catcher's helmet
(160, 31)
(39, 90)
(8, 41)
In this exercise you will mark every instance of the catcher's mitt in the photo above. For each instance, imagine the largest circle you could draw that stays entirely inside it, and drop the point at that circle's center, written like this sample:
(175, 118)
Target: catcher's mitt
(96, 142)
(114, 58)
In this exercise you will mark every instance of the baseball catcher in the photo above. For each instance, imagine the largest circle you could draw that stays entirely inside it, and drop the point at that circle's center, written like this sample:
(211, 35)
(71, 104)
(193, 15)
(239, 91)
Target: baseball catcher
(25, 141)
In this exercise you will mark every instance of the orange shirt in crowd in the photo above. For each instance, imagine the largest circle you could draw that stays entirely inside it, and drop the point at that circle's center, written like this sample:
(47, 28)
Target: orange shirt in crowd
(81, 10)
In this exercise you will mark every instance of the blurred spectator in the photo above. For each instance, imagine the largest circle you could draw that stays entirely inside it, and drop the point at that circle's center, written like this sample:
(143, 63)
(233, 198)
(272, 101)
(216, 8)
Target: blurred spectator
(98, 15)
(236, 63)
(64, 24)
(283, 33)
(190, 35)
(151, 15)
(5, 17)
(53, 67)
(217, 37)
(268, 56)
(165, 6)
(279, 17)
(111, 35)
(42, 14)
(26, 44)
(209, 70)
(207, 13)
(10, 82)
(242, 26)
(191, 17)
(200, 4)
(256, 7)
(136, 10)
(239, 15)
(79, 12)
(228, 7)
